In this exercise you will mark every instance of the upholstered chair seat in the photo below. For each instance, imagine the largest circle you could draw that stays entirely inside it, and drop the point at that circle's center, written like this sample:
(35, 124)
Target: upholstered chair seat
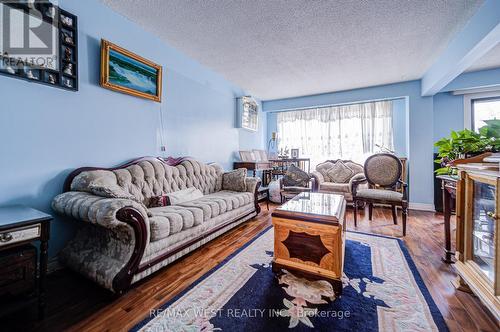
(330, 187)
(382, 195)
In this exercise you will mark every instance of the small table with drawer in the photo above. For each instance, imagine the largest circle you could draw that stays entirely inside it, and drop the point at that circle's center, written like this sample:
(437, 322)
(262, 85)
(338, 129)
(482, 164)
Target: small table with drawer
(20, 226)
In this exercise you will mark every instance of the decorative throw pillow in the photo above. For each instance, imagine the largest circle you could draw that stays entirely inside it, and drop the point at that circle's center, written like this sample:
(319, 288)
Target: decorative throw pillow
(324, 168)
(185, 195)
(234, 180)
(110, 191)
(295, 177)
(159, 201)
(114, 191)
(340, 173)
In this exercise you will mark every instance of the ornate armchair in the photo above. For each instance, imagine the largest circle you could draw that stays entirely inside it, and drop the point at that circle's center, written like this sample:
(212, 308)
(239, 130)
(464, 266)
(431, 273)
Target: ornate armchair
(337, 177)
(382, 173)
(294, 182)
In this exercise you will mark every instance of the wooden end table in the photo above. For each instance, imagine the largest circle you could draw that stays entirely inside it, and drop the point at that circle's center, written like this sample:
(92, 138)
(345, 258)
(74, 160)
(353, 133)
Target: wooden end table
(20, 226)
(263, 195)
(309, 237)
(449, 190)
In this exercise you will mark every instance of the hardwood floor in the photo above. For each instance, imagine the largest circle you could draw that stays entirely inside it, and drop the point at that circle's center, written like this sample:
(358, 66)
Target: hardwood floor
(75, 304)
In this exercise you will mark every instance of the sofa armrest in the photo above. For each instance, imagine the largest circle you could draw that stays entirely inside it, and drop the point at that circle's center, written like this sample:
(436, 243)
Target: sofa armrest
(252, 184)
(106, 212)
(318, 180)
(117, 250)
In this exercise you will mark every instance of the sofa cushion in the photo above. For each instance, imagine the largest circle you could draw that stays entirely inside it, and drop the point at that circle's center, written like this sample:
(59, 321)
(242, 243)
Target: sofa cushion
(234, 180)
(323, 169)
(295, 177)
(334, 187)
(220, 202)
(340, 172)
(168, 220)
(380, 194)
(172, 219)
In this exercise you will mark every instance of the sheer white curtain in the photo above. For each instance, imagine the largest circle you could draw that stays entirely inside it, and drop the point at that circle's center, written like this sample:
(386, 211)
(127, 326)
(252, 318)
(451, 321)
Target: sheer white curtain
(346, 132)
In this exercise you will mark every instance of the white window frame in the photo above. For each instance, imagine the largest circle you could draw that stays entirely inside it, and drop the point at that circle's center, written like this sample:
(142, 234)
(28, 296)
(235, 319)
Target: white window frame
(469, 98)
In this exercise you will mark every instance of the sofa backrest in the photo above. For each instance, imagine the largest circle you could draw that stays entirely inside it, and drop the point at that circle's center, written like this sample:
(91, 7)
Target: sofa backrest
(149, 177)
(324, 167)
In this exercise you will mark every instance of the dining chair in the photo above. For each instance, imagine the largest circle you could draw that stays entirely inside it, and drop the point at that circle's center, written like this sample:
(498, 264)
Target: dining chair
(383, 173)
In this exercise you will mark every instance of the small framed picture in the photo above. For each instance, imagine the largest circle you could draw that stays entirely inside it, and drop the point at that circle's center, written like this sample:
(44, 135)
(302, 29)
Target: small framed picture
(294, 153)
(67, 21)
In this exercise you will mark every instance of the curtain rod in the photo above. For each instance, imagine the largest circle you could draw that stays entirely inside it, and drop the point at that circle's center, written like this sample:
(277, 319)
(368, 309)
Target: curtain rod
(333, 105)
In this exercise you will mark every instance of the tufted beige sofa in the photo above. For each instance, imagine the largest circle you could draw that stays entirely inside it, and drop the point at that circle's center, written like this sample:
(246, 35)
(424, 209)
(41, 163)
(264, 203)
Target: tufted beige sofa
(120, 240)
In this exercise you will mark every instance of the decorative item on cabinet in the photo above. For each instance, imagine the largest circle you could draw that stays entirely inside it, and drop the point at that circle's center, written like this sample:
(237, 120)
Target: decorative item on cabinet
(48, 66)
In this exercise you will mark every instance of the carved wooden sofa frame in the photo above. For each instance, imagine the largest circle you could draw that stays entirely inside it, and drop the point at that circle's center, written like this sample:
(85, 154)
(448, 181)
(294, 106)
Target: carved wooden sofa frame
(133, 217)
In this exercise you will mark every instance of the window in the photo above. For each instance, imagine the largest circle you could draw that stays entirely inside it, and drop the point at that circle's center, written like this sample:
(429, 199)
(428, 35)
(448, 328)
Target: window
(347, 132)
(484, 109)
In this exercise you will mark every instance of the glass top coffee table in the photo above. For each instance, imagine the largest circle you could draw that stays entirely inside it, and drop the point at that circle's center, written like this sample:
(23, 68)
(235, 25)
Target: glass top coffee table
(309, 237)
(313, 207)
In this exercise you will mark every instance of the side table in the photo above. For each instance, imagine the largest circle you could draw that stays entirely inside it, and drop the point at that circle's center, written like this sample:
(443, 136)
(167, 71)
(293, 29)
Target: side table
(449, 189)
(264, 195)
(20, 226)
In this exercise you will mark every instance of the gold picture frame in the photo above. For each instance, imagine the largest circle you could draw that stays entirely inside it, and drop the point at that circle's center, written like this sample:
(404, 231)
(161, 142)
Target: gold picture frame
(115, 73)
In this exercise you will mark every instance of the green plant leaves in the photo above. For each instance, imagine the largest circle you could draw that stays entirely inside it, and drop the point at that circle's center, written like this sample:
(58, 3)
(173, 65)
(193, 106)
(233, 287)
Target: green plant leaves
(463, 142)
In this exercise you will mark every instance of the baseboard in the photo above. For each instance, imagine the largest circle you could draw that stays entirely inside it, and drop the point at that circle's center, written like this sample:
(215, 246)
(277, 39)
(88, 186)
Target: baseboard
(422, 207)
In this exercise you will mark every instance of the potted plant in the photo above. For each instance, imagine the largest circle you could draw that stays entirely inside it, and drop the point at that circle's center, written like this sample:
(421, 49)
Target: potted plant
(467, 143)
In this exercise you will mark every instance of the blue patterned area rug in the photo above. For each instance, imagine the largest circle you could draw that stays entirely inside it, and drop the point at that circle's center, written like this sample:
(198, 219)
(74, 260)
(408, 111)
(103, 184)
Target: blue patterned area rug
(382, 291)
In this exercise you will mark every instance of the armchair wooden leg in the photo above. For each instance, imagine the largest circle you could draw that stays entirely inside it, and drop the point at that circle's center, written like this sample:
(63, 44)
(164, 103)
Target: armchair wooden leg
(405, 212)
(370, 211)
(394, 214)
(355, 213)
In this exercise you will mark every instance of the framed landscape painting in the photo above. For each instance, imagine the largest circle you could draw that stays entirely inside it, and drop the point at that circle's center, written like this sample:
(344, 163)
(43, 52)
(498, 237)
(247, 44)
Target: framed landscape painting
(126, 72)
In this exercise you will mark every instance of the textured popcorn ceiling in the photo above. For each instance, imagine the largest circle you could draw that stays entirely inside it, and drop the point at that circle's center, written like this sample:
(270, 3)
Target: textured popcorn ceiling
(488, 61)
(285, 48)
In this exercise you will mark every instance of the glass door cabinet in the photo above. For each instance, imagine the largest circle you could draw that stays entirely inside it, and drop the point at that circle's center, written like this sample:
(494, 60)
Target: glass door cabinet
(477, 254)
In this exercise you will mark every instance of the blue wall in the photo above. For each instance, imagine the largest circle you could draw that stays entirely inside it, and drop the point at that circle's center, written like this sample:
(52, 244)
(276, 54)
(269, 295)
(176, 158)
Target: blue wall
(47, 132)
(399, 127)
(448, 114)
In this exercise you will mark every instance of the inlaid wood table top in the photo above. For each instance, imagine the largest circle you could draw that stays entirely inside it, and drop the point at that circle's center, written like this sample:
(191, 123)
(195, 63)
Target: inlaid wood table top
(313, 207)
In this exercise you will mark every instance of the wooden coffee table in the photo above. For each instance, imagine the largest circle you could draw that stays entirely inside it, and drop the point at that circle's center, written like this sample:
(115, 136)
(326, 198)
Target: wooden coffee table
(309, 237)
